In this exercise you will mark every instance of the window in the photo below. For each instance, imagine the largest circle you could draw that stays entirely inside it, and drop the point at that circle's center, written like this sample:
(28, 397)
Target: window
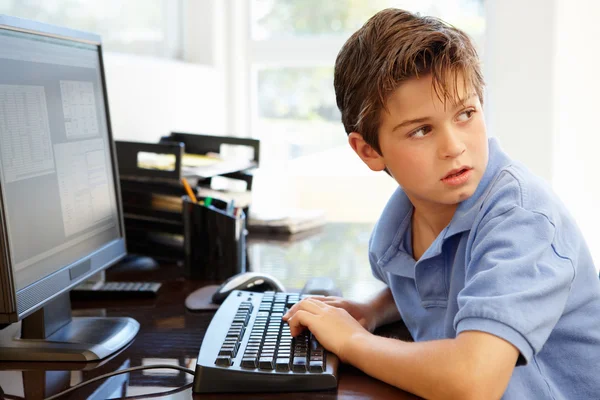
(293, 47)
(283, 93)
(297, 111)
(147, 27)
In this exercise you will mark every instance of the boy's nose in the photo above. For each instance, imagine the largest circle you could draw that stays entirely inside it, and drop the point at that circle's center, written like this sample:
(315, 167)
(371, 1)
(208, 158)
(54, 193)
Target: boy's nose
(450, 145)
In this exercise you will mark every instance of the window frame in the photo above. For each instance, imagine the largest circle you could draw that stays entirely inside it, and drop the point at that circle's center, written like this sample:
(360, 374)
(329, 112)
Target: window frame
(171, 47)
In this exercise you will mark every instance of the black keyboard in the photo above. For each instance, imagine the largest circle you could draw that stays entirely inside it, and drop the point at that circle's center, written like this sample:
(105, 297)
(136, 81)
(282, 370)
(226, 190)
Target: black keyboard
(248, 348)
(115, 290)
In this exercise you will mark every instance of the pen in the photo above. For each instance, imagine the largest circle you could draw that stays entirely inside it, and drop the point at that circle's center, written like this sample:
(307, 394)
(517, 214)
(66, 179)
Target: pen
(189, 190)
(230, 207)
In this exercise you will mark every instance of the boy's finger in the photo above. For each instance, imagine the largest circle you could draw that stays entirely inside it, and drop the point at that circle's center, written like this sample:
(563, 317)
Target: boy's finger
(291, 311)
(298, 306)
(299, 321)
(334, 303)
(311, 306)
(316, 302)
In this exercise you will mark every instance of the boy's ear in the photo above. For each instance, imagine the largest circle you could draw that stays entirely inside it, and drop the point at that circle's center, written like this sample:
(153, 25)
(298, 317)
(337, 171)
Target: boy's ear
(366, 153)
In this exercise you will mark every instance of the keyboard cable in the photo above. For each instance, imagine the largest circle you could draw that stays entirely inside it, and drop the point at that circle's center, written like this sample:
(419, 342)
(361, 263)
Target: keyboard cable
(118, 372)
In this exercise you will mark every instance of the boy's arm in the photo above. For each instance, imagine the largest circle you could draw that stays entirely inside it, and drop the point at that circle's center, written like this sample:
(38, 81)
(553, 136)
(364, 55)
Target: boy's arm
(474, 365)
(383, 308)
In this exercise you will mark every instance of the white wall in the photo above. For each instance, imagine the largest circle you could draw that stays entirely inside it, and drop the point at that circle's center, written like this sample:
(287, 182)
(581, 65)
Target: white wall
(576, 105)
(151, 97)
(542, 96)
(518, 69)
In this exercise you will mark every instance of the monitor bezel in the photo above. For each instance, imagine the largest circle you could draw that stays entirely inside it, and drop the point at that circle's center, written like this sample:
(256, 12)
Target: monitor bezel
(13, 306)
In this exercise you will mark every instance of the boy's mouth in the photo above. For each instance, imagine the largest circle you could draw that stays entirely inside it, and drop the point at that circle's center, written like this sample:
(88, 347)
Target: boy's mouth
(456, 172)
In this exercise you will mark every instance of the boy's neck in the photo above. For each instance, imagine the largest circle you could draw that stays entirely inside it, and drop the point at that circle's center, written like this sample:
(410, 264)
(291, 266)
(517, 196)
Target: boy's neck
(426, 226)
(434, 220)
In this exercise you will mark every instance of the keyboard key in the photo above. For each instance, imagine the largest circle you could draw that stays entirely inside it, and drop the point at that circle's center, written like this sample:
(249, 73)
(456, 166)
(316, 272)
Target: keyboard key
(241, 319)
(249, 362)
(316, 366)
(262, 314)
(237, 335)
(299, 364)
(227, 351)
(223, 361)
(266, 363)
(282, 364)
(291, 301)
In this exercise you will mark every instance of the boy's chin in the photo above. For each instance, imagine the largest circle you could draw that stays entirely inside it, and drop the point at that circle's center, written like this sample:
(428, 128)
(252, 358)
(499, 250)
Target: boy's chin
(455, 198)
(460, 197)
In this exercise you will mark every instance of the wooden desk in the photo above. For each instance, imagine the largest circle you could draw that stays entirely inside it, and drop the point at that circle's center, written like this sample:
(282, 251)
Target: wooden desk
(171, 334)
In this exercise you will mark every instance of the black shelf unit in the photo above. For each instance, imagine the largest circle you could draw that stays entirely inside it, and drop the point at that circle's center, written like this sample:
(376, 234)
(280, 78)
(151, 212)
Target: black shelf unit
(158, 231)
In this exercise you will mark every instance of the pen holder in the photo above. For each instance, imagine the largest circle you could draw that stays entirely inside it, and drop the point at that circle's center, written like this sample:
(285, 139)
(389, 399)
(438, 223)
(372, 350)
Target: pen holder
(214, 241)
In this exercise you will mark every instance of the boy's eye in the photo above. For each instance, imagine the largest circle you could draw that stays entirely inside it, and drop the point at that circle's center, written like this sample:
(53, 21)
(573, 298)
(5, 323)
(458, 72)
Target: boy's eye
(465, 115)
(421, 132)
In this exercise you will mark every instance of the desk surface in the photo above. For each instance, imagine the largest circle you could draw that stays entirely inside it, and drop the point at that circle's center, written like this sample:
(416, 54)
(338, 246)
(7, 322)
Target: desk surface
(170, 334)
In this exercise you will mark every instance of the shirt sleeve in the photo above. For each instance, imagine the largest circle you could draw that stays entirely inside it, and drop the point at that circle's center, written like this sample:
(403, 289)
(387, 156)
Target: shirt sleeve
(375, 269)
(516, 284)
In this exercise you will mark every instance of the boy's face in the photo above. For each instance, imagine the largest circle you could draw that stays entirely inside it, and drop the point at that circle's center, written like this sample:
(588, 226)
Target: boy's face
(437, 155)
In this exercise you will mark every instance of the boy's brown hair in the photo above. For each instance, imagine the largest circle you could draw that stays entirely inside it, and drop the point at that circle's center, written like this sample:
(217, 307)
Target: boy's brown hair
(394, 46)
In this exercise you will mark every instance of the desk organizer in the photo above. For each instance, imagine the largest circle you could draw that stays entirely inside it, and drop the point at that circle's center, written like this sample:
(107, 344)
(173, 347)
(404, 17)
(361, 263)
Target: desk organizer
(214, 240)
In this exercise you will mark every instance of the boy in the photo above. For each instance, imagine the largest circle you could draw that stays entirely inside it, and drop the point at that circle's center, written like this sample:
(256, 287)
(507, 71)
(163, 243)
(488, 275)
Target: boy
(482, 262)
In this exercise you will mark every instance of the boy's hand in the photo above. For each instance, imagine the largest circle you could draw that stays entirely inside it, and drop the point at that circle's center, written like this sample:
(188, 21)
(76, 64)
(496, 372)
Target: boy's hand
(359, 311)
(333, 327)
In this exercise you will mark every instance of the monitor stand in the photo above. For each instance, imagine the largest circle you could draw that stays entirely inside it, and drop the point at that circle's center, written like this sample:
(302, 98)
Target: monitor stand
(52, 334)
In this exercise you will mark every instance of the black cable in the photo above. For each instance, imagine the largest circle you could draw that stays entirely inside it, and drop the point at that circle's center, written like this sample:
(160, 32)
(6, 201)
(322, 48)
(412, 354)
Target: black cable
(159, 394)
(121, 371)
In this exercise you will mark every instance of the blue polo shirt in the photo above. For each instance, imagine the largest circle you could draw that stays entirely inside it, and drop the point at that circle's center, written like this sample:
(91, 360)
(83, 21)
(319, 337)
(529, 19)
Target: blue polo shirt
(512, 263)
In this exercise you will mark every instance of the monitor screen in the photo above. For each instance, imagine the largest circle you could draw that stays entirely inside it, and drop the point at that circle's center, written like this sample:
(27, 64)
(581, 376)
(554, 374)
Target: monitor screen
(57, 176)
(60, 212)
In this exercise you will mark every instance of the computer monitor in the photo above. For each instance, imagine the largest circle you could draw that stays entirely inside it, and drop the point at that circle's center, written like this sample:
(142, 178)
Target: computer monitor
(60, 212)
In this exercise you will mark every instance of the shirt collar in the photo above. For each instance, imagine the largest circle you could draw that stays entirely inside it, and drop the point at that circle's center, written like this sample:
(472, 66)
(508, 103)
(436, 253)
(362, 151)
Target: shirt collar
(391, 226)
(465, 213)
(400, 248)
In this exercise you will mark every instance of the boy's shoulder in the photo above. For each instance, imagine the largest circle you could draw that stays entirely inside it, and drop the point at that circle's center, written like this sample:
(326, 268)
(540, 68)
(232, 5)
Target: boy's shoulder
(514, 185)
(517, 189)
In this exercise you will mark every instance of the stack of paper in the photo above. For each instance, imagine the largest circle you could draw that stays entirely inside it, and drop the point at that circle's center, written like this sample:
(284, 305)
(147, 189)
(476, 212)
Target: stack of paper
(288, 222)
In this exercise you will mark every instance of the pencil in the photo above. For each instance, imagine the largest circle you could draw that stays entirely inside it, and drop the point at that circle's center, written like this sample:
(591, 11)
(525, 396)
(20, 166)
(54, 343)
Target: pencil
(189, 190)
